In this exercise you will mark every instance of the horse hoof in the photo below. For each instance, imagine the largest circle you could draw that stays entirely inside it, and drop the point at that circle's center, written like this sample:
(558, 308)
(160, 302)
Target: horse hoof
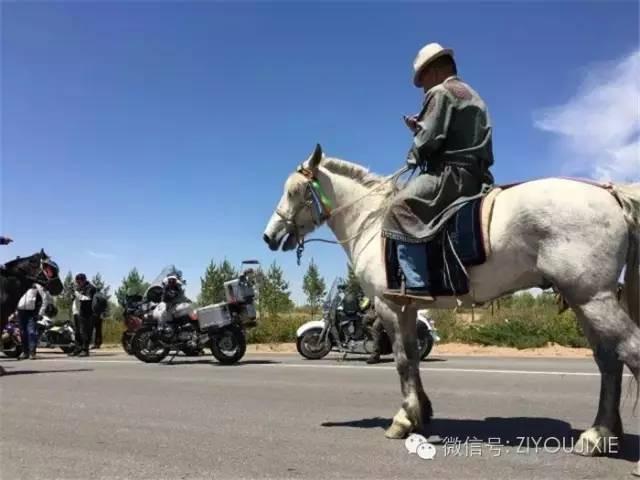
(401, 426)
(596, 441)
(396, 432)
(636, 472)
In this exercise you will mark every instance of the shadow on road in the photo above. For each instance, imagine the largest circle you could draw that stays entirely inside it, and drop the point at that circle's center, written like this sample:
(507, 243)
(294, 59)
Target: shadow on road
(363, 359)
(217, 364)
(250, 362)
(375, 422)
(523, 432)
(29, 372)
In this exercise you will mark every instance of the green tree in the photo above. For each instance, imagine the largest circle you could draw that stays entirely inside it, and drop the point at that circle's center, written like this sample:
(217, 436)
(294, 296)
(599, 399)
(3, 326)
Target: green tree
(132, 284)
(100, 285)
(212, 284)
(104, 289)
(273, 292)
(313, 286)
(353, 285)
(64, 301)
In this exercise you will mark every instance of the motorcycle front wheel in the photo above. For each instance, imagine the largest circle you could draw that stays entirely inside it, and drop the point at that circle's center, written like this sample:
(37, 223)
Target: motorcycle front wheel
(310, 346)
(229, 345)
(425, 341)
(146, 348)
(127, 338)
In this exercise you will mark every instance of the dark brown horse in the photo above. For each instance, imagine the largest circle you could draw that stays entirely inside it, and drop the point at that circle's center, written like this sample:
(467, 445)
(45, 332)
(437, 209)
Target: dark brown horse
(17, 276)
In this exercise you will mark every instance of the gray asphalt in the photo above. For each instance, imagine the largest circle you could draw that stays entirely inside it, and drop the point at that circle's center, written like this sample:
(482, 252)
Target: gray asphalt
(279, 416)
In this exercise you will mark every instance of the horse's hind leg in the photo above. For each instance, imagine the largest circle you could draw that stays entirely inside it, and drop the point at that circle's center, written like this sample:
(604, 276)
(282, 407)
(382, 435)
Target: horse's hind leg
(611, 334)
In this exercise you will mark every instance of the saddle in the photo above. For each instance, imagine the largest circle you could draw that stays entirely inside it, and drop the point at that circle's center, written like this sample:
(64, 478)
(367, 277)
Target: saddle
(462, 242)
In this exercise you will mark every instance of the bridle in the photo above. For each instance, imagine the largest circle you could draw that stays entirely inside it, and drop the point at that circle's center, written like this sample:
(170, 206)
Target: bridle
(321, 208)
(315, 200)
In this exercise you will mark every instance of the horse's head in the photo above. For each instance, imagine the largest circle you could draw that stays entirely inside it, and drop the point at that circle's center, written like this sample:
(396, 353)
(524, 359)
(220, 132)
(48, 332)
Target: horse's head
(302, 208)
(39, 268)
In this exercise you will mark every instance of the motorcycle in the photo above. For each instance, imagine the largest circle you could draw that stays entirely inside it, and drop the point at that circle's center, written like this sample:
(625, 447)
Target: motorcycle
(348, 331)
(56, 334)
(135, 309)
(219, 327)
(11, 340)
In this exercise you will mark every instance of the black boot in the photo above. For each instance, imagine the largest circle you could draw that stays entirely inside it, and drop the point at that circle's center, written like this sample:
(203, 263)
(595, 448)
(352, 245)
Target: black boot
(374, 358)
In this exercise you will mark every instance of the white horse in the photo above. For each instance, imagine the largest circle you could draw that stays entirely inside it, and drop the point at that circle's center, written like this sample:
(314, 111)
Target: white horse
(573, 235)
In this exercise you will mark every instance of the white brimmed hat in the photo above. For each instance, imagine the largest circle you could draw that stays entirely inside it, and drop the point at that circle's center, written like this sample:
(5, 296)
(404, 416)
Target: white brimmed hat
(426, 55)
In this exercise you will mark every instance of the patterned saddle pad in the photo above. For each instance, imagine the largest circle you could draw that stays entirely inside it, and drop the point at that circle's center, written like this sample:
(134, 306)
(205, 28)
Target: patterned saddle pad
(463, 241)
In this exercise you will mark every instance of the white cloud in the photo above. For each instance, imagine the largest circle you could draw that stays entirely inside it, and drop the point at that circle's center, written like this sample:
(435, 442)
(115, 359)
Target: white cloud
(104, 256)
(599, 128)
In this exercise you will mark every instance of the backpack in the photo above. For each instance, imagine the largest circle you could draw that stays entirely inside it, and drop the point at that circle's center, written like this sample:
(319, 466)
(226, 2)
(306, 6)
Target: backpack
(51, 310)
(99, 304)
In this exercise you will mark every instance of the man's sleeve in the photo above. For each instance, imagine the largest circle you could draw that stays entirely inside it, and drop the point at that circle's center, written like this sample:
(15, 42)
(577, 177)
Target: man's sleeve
(433, 126)
(46, 299)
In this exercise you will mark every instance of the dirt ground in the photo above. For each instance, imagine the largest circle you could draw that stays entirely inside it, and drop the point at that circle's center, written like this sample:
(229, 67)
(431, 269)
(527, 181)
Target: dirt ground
(442, 349)
(457, 349)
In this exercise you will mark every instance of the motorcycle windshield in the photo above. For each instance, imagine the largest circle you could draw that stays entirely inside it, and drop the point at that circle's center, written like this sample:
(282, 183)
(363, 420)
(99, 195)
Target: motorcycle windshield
(333, 297)
(154, 292)
(166, 271)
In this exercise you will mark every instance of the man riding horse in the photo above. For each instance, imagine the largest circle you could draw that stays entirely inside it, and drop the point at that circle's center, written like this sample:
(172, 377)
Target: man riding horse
(453, 152)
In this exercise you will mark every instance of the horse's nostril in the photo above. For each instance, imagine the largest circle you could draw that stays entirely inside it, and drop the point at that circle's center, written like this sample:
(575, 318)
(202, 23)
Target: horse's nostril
(266, 238)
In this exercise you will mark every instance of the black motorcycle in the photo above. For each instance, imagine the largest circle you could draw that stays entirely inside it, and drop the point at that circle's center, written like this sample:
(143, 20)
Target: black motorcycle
(134, 310)
(11, 340)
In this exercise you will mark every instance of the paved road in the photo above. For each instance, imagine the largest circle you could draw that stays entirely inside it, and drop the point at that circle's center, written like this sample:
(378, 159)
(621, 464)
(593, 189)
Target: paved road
(278, 416)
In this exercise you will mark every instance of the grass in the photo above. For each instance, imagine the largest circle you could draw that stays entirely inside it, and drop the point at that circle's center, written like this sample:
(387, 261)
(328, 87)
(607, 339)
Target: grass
(521, 324)
(112, 330)
(536, 326)
(278, 329)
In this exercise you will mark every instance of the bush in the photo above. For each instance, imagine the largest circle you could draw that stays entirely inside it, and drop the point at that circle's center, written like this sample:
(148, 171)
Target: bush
(534, 326)
(112, 330)
(277, 329)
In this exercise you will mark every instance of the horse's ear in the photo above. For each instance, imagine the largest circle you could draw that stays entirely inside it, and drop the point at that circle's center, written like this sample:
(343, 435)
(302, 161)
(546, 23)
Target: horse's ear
(315, 158)
(42, 252)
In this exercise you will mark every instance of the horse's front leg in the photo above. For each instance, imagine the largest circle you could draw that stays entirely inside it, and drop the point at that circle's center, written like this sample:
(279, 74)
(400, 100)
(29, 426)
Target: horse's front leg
(416, 406)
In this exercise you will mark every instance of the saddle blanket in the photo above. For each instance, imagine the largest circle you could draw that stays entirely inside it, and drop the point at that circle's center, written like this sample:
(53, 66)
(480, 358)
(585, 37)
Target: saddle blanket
(463, 241)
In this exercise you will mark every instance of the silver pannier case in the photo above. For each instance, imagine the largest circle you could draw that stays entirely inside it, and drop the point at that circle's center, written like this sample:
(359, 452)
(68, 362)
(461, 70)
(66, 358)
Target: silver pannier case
(217, 315)
(238, 290)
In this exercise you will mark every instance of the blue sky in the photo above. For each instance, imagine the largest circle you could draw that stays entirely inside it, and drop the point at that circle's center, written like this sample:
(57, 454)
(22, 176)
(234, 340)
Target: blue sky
(146, 133)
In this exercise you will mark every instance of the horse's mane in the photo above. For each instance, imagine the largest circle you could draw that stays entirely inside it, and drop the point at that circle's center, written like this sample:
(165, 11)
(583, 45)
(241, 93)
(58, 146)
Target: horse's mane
(22, 261)
(352, 170)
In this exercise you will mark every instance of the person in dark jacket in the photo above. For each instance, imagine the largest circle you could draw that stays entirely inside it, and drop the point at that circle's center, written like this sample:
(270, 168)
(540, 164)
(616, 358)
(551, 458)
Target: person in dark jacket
(84, 293)
(452, 149)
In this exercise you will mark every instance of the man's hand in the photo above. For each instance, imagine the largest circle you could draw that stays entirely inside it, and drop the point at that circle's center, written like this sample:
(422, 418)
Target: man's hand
(5, 240)
(411, 122)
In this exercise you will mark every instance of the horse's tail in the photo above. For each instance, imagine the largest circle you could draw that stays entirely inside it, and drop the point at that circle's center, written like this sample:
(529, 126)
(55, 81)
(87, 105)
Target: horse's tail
(629, 198)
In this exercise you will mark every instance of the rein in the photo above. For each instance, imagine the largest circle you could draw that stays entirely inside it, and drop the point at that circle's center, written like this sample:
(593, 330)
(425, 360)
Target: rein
(319, 202)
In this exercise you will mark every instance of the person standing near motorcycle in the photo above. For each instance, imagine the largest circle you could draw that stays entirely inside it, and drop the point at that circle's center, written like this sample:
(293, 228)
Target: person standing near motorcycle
(33, 303)
(84, 293)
